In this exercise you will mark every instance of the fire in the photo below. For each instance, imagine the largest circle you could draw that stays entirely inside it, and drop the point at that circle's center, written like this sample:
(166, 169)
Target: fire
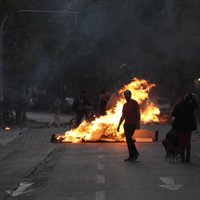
(105, 126)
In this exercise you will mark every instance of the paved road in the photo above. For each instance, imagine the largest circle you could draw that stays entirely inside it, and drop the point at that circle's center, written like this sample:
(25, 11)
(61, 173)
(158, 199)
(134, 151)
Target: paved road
(32, 168)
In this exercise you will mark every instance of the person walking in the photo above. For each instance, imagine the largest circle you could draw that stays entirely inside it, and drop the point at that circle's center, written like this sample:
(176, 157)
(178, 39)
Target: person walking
(184, 123)
(20, 108)
(131, 117)
(55, 111)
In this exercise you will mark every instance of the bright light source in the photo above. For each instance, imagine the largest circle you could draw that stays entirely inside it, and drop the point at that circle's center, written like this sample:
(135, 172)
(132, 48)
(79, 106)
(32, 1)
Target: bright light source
(7, 128)
(198, 79)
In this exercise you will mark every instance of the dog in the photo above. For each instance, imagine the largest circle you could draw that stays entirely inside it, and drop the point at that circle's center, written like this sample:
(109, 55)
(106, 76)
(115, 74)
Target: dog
(172, 154)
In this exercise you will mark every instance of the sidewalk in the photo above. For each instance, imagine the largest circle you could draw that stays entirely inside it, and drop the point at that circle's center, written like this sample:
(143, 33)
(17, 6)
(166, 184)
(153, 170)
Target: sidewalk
(45, 117)
(34, 119)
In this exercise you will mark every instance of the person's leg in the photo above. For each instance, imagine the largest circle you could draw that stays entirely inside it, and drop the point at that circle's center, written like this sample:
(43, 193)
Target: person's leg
(79, 116)
(165, 144)
(188, 146)
(182, 141)
(52, 121)
(57, 120)
(17, 116)
(129, 131)
(24, 118)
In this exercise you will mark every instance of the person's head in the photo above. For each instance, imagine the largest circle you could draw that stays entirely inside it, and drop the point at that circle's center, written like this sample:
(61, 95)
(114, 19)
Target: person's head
(189, 97)
(127, 94)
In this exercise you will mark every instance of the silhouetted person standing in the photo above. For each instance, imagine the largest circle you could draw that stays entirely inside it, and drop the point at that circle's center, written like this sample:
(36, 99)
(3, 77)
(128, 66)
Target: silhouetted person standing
(184, 123)
(6, 108)
(20, 108)
(55, 111)
(131, 116)
(81, 106)
(102, 102)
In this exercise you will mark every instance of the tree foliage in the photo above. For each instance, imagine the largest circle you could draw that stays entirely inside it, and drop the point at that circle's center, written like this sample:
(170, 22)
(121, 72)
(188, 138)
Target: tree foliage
(148, 38)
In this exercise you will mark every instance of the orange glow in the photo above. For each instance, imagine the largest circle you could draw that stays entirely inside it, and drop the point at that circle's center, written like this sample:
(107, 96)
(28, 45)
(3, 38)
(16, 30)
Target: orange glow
(105, 127)
(7, 128)
(143, 140)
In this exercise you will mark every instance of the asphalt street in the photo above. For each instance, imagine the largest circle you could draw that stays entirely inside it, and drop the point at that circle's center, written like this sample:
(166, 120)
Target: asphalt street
(33, 168)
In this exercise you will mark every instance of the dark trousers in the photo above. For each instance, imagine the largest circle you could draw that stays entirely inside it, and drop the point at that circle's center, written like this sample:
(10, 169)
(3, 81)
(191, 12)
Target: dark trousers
(129, 131)
(185, 144)
(20, 116)
(79, 116)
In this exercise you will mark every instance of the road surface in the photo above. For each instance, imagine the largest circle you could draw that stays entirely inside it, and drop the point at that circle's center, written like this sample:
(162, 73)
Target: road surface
(32, 168)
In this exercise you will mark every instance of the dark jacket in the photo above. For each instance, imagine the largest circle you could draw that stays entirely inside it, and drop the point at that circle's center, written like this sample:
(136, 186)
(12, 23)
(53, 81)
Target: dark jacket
(184, 115)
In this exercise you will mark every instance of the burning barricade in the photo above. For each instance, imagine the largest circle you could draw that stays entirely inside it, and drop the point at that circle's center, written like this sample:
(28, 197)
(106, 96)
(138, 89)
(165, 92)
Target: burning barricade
(104, 128)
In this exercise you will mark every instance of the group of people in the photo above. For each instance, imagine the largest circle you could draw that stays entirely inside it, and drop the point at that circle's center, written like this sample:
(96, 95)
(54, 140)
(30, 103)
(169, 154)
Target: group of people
(13, 110)
(184, 123)
(82, 107)
(182, 114)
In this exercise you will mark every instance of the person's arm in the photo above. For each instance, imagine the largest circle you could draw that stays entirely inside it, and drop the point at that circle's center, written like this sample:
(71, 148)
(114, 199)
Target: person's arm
(120, 122)
(138, 120)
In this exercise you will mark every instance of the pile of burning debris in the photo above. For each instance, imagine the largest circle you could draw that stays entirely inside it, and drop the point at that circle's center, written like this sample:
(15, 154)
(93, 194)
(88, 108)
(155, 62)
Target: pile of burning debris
(104, 128)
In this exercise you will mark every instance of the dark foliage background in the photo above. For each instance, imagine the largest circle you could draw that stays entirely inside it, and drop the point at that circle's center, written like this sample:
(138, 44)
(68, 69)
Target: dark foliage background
(111, 42)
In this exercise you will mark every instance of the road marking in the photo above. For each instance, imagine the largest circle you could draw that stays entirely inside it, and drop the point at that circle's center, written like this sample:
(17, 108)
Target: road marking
(100, 166)
(100, 195)
(170, 185)
(21, 189)
(100, 179)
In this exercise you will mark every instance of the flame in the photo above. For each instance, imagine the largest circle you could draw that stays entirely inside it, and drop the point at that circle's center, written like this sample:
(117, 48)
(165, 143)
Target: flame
(105, 126)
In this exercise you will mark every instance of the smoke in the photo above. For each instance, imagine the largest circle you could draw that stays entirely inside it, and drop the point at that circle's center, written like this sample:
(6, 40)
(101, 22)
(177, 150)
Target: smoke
(153, 38)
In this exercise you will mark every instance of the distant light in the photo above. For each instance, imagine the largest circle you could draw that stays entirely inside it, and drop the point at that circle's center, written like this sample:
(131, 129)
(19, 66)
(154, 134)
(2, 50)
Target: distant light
(198, 79)
(7, 128)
